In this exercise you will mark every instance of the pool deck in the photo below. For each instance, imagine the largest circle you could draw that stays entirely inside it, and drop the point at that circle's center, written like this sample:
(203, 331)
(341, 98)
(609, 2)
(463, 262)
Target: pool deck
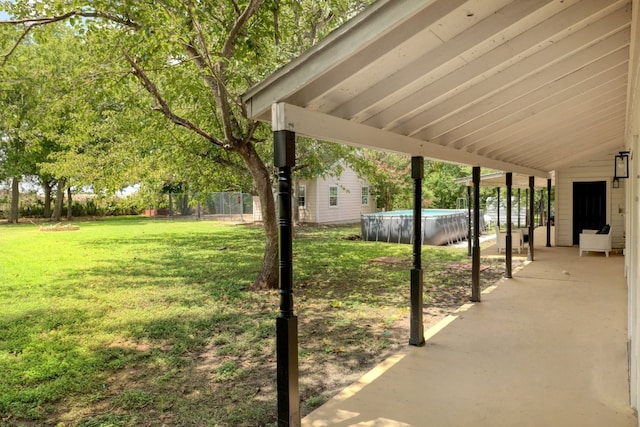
(545, 348)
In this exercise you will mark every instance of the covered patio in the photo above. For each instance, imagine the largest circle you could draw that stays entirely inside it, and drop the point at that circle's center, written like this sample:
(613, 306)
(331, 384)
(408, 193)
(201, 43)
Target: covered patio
(545, 348)
(546, 90)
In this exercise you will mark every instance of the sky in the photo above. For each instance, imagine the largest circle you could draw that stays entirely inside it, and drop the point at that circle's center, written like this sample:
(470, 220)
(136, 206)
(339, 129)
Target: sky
(3, 14)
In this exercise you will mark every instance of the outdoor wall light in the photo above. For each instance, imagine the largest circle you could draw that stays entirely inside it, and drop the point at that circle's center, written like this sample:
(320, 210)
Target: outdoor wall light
(621, 166)
(616, 182)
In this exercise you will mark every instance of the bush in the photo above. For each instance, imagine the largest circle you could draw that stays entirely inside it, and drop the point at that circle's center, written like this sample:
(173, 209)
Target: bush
(32, 209)
(98, 206)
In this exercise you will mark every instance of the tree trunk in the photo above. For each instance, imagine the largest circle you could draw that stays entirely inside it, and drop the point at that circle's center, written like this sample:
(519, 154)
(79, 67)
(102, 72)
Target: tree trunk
(185, 209)
(268, 276)
(15, 200)
(47, 187)
(69, 204)
(57, 209)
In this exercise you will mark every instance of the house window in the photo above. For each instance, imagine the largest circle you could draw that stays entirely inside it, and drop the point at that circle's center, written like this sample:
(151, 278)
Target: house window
(365, 196)
(302, 196)
(333, 196)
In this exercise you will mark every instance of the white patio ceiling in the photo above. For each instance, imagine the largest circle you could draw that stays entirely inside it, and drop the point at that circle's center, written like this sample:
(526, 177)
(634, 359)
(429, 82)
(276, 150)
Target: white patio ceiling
(525, 86)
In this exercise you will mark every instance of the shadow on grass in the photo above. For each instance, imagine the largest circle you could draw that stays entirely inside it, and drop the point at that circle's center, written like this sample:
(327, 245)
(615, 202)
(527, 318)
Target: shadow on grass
(181, 332)
(43, 360)
(200, 259)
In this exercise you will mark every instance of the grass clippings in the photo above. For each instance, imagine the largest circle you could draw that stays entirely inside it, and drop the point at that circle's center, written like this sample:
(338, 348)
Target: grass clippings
(59, 227)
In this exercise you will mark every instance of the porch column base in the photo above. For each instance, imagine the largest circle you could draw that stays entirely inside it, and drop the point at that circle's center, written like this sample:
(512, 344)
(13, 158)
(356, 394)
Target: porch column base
(287, 361)
(417, 326)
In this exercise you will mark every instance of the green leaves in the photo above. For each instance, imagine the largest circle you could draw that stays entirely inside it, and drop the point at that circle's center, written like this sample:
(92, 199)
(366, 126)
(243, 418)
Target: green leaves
(80, 57)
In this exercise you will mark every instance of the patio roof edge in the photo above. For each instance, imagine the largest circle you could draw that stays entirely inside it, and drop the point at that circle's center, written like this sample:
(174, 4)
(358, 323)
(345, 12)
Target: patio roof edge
(329, 128)
(350, 37)
(498, 179)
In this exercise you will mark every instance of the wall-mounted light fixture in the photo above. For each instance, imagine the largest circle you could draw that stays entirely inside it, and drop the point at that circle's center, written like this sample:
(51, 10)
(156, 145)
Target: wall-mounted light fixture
(621, 166)
(616, 183)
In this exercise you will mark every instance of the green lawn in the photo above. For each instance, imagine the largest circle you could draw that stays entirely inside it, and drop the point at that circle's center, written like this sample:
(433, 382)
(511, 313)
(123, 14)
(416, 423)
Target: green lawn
(130, 321)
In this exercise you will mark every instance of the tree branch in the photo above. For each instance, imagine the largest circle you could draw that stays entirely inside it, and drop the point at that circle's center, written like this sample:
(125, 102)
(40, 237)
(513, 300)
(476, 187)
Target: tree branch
(252, 127)
(201, 56)
(214, 73)
(31, 23)
(162, 105)
(6, 56)
(299, 166)
(216, 87)
(251, 8)
(43, 20)
(195, 24)
(230, 122)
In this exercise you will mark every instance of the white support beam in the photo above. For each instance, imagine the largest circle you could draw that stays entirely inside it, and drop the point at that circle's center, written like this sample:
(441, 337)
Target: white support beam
(565, 134)
(558, 153)
(488, 30)
(555, 109)
(474, 114)
(352, 42)
(540, 44)
(612, 145)
(330, 128)
(535, 120)
(547, 129)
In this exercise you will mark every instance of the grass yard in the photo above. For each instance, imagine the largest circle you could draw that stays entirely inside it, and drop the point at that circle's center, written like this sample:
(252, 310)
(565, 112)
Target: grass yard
(131, 321)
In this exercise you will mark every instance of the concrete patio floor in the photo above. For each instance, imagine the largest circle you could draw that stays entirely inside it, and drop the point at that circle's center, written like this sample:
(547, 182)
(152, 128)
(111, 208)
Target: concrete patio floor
(545, 348)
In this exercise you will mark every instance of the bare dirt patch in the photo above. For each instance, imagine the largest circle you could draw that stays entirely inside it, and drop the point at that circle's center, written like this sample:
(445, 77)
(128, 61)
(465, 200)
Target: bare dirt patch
(340, 338)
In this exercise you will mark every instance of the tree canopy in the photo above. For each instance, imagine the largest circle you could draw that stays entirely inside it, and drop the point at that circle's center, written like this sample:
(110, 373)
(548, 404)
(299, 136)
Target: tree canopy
(185, 61)
(110, 93)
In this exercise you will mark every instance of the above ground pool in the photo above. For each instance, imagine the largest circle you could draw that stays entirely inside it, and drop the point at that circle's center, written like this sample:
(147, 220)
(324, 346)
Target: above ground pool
(439, 226)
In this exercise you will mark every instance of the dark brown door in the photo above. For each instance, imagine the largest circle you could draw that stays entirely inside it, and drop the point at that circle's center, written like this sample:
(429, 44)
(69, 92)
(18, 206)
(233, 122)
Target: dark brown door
(589, 207)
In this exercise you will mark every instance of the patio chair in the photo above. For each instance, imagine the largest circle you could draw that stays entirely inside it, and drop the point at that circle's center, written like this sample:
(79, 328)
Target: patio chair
(596, 240)
(517, 240)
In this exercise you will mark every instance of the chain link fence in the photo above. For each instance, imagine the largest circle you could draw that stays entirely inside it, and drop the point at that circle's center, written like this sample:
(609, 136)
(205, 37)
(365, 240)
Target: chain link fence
(225, 205)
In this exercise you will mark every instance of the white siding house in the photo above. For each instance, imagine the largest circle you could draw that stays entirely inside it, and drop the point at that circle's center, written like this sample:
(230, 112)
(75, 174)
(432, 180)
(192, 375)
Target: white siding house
(332, 200)
(597, 169)
(335, 199)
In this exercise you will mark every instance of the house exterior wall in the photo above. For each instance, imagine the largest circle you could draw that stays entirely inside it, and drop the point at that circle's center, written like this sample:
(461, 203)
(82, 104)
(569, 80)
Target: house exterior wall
(317, 209)
(257, 212)
(632, 260)
(599, 168)
(349, 208)
(632, 250)
(309, 213)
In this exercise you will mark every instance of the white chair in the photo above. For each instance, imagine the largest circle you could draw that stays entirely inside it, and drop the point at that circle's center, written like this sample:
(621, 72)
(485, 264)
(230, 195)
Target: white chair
(591, 241)
(517, 240)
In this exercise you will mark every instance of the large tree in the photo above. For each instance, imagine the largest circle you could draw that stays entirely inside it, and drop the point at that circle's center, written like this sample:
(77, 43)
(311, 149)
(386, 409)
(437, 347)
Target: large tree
(20, 98)
(194, 59)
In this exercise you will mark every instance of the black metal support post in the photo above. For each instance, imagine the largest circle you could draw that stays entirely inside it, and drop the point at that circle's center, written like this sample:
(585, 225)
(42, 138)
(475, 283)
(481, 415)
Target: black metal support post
(540, 220)
(526, 207)
(416, 331)
(509, 245)
(498, 207)
(532, 194)
(287, 322)
(475, 267)
(469, 228)
(519, 207)
(549, 212)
